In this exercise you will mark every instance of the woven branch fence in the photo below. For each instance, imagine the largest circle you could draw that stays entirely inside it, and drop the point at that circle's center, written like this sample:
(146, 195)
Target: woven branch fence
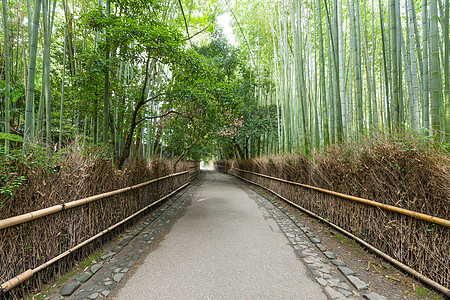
(421, 245)
(30, 244)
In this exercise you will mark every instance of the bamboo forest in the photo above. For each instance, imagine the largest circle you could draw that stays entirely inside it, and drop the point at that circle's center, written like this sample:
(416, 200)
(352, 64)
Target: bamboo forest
(160, 78)
(120, 117)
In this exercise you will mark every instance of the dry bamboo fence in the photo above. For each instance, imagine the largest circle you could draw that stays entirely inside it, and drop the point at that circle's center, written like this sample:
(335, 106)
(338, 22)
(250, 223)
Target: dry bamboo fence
(36, 239)
(419, 241)
(194, 168)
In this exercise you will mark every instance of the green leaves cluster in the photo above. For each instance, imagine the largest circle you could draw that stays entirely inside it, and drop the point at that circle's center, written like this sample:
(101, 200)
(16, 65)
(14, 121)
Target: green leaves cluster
(213, 93)
(11, 137)
(15, 91)
(11, 162)
(132, 36)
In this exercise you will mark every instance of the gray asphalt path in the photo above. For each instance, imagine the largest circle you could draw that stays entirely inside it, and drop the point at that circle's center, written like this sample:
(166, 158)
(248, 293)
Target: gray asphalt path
(225, 246)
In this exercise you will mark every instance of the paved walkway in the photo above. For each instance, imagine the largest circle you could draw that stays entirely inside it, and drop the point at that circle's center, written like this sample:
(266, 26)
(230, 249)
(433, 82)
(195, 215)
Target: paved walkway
(225, 246)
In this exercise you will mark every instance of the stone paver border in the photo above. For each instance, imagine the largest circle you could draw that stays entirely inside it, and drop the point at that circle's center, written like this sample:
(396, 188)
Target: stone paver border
(101, 277)
(338, 281)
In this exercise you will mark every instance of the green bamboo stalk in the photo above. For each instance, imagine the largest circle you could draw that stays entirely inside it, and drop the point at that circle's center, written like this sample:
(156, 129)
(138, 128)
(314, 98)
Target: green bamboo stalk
(323, 90)
(318, 141)
(399, 61)
(407, 63)
(425, 63)
(395, 71)
(342, 69)
(415, 117)
(304, 122)
(106, 86)
(354, 19)
(295, 78)
(416, 36)
(86, 128)
(287, 74)
(47, 89)
(358, 76)
(275, 66)
(371, 92)
(39, 133)
(376, 112)
(24, 56)
(435, 79)
(30, 24)
(445, 31)
(95, 120)
(331, 102)
(7, 73)
(386, 70)
(28, 134)
(337, 109)
(350, 97)
(63, 85)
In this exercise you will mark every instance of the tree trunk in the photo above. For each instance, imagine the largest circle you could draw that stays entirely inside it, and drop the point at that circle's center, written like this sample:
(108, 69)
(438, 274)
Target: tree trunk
(129, 137)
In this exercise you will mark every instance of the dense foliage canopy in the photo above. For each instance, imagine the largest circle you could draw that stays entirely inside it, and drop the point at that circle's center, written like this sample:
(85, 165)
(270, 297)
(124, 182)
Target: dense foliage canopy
(160, 79)
(147, 78)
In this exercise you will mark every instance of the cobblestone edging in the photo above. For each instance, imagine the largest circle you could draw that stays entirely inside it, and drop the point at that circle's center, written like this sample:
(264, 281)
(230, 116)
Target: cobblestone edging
(100, 278)
(337, 280)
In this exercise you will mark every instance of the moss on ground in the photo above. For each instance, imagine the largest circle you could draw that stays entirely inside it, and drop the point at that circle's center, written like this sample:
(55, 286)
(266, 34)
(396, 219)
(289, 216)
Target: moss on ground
(66, 277)
(427, 294)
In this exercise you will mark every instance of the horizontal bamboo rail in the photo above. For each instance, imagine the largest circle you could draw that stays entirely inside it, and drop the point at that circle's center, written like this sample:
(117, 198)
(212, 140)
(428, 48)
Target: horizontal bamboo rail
(390, 259)
(396, 209)
(5, 223)
(8, 285)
